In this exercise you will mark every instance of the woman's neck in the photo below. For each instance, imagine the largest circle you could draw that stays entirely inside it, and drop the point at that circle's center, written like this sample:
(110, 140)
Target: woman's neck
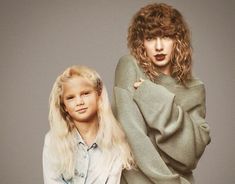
(166, 70)
(88, 131)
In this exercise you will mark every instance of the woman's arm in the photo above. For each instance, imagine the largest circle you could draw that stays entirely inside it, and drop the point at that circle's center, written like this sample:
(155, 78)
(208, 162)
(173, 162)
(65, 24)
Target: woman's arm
(182, 133)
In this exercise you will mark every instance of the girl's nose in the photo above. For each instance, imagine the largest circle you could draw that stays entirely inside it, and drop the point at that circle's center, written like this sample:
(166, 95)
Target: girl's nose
(79, 101)
(158, 44)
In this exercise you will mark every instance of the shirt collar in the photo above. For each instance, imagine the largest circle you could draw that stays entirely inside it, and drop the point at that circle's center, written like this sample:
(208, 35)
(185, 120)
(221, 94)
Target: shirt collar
(81, 141)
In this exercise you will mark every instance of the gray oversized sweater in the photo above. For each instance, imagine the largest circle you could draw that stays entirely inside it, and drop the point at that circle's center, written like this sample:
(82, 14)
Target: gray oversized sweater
(164, 123)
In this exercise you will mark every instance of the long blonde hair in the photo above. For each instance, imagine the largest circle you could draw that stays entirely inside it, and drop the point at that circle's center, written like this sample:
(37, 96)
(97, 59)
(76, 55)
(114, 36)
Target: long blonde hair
(62, 129)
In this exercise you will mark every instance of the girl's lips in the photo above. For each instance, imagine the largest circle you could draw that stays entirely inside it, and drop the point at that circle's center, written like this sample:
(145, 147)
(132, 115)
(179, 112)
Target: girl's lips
(160, 57)
(82, 110)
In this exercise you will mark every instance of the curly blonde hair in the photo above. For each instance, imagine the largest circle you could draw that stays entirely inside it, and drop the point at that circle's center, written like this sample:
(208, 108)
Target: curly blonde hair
(161, 20)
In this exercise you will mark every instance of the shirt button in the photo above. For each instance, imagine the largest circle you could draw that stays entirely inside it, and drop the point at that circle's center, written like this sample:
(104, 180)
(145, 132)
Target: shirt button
(82, 175)
(76, 172)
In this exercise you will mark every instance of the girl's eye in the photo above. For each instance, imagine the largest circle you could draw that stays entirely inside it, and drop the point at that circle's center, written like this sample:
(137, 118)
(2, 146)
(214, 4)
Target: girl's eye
(69, 97)
(86, 93)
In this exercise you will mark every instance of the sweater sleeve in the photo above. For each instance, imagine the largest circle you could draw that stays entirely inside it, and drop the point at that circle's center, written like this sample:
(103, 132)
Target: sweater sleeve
(181, 132)
(128, 113)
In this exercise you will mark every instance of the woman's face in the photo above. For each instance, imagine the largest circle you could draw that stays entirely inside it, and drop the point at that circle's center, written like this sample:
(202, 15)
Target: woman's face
(159, 50)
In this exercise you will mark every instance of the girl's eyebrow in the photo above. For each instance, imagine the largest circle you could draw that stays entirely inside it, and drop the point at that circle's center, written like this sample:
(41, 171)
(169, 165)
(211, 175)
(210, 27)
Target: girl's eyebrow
(68, 96)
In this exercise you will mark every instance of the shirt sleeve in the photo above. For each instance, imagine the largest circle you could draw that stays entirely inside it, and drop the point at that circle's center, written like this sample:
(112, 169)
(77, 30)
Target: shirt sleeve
(128, 113)
(115, 172)
(181, 130)
(49, 175)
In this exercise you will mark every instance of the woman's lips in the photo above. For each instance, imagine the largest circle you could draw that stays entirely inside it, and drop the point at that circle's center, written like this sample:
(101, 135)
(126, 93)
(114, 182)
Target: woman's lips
(160, 57)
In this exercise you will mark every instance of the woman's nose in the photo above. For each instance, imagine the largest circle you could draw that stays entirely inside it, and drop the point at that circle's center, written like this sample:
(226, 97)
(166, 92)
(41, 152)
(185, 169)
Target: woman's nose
(158, 44)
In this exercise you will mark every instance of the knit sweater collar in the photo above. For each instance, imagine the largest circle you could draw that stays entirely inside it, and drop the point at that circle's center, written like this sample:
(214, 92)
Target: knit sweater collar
(165, 79)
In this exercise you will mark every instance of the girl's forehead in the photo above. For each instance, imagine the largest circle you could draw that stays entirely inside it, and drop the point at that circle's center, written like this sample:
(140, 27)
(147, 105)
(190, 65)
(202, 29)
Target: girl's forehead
(78, 82)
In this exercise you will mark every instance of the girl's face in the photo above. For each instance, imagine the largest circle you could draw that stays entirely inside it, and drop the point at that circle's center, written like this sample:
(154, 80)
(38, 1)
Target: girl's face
(80, 100)
(159, 50)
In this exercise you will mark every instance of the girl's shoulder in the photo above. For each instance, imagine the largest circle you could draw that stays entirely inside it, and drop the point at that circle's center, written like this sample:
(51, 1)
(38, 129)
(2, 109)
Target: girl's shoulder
(47, 138)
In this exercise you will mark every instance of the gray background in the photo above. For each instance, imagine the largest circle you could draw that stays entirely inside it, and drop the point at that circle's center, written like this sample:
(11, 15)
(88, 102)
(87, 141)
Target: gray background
(39, 39)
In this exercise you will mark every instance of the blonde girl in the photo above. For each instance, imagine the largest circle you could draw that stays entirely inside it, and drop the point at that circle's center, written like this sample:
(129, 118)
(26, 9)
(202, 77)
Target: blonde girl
(85, 143)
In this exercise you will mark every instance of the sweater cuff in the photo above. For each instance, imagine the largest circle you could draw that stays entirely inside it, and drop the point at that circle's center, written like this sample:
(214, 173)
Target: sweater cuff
(148, 91)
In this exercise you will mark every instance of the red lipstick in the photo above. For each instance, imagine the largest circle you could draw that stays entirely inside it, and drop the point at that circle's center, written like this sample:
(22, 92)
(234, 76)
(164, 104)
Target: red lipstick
(160, 57)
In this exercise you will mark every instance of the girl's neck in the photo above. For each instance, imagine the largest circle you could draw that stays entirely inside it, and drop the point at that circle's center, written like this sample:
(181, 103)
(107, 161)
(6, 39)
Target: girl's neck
(88, 131)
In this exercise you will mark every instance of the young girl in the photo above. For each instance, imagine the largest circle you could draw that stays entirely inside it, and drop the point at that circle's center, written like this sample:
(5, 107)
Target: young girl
(159, 104)
(85, 143)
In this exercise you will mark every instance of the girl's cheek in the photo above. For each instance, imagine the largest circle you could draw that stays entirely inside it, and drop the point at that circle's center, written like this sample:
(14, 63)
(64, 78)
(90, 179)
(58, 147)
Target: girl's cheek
(70, 104)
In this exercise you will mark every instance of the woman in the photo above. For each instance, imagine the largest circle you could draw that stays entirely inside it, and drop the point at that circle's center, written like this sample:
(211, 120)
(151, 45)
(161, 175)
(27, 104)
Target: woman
(160, 105)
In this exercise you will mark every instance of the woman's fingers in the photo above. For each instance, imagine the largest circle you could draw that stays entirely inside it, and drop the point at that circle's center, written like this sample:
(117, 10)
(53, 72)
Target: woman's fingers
(138, 83)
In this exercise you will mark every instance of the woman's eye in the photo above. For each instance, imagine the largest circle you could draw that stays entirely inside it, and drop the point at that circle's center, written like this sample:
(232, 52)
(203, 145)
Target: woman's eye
(148, 39)
(166, 37)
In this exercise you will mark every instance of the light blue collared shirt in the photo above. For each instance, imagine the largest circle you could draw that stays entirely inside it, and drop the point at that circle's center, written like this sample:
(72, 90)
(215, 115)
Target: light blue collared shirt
(93, 166)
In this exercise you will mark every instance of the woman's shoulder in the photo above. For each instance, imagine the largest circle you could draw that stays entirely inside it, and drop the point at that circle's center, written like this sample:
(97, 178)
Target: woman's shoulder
(195, 82)
(128, 66)
(127, 61)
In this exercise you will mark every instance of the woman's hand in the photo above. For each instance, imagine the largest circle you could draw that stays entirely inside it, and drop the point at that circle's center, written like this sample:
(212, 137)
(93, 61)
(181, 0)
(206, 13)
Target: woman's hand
(138, 83)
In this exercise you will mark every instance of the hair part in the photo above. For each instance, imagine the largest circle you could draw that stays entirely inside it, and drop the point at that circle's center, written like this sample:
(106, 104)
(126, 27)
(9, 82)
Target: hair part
(161, 20)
